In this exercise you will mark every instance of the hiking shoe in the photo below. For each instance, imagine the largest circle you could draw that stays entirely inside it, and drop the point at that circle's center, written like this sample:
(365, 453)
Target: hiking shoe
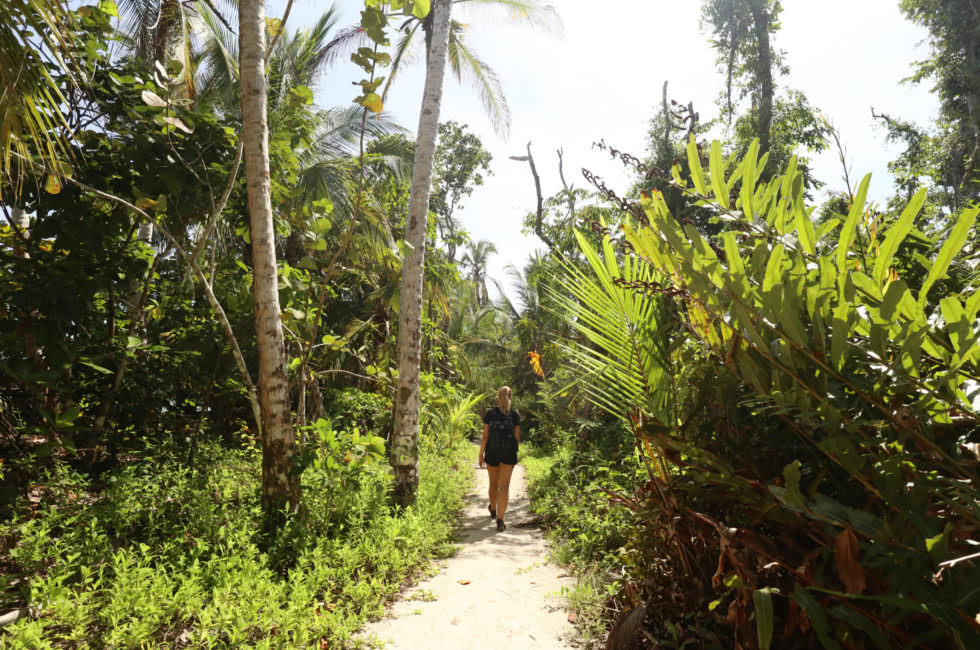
(493, 513)
(500, 525)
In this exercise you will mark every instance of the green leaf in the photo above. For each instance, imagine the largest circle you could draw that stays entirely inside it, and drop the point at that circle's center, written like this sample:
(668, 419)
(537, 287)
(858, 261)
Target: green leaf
(93, 366)
(827, 227)
(865, 284)
(855, 619)
(896, 234)
(420, 9)
(108, 7)
(818, 618)
(786, 187)
(321, 226)
(774, 274)
(697, 172)
(749, 178)
(893, 297)
(762, 599)
(804, 230)
(952, 246)
(792, 494)
(938, 547)
(850, 226)
(301, 95)
(718, 174)
(840, 332)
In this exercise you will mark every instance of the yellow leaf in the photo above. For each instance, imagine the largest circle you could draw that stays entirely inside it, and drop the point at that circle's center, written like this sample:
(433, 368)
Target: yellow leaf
(52, 185)
(372, 102)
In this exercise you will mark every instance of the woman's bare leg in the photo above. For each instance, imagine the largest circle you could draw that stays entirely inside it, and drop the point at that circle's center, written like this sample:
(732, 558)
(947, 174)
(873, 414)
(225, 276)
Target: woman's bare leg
(494, 473)
(503, 490)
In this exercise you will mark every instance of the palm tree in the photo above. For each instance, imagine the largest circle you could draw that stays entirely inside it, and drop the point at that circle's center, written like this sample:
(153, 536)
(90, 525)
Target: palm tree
(476, 259)
(35, 37)
(404, 444)
(464, 63)
(280, 486)
(298, 58)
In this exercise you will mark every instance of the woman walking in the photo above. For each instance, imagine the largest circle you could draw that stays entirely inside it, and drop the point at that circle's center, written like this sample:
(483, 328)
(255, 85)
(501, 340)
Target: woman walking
(498, 452)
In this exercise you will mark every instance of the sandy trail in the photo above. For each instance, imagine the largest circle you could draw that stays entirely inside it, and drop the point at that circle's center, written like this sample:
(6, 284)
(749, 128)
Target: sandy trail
(498, 591)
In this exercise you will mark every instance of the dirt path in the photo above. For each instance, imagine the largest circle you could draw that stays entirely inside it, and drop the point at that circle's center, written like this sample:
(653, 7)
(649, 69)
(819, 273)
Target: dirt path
(498, 591)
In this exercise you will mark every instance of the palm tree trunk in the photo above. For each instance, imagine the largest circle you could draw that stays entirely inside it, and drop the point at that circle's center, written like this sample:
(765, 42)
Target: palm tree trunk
(404, 444)
(279, 485)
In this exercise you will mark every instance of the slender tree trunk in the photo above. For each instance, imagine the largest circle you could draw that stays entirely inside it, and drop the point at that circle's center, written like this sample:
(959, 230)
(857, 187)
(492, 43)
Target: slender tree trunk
(404, 446)
(279, 486)
(22, 221)
(764, 75)
(135, 301)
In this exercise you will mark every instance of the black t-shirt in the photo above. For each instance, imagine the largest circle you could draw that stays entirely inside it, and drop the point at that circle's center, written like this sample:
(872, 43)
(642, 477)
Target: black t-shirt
(501, 438)
(501, 425)
(496, 414)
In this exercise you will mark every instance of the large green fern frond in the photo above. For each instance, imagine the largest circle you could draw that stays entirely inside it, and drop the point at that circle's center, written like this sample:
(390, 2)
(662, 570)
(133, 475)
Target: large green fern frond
(620, 349)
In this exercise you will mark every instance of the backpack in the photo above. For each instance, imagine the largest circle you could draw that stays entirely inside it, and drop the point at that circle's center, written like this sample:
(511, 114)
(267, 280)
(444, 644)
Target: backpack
(501, 436)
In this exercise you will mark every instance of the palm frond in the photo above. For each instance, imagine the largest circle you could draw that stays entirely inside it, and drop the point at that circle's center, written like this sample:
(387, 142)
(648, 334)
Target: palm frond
(619, 350)
(529, 13)
(35, 40)
(483, 79)
(402, 56)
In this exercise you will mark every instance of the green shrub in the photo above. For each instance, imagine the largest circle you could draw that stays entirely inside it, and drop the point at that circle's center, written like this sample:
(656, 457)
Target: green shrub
(165, 555)
(803, 404)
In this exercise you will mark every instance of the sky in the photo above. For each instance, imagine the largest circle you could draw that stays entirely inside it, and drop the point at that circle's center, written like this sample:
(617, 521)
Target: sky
(602, 78)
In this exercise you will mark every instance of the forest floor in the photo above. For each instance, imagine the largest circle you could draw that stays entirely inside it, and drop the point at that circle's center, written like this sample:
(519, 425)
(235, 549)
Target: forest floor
(499, 590)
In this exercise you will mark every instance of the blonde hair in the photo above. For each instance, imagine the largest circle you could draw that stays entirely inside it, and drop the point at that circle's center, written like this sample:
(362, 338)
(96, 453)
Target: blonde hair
(503, 398)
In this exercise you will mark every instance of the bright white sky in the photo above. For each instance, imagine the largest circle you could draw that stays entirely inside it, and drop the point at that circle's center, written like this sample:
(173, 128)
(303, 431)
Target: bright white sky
(604, 79)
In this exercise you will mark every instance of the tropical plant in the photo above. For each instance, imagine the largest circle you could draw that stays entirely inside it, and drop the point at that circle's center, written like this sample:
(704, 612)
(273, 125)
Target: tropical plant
(280, 485)
(37, 39)
(619, 353)
(476, 259)
(463, 62)
(837, 487)
(404, 447)
(953, 26)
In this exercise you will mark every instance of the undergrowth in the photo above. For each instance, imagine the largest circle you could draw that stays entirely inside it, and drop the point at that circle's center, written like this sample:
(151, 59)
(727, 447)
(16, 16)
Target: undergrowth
(588, 532)
(159, 555)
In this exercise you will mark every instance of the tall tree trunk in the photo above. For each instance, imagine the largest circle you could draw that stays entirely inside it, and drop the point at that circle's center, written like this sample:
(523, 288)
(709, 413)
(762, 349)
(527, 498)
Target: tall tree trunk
(279, 486)
(404, 444)
(764, 93)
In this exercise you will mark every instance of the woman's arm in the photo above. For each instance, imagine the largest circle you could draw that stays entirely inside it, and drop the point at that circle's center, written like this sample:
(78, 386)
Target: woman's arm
(517, 434)
(483, 444)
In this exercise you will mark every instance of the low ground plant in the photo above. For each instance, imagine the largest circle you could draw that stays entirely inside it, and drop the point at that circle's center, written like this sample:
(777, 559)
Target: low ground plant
(568, 488)
(160, 555)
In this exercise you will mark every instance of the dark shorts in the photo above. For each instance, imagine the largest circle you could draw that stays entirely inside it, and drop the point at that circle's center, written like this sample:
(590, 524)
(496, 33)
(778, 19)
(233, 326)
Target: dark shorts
(495, 457)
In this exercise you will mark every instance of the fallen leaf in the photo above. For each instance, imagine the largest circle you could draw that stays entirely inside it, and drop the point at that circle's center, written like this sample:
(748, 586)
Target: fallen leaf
(464, 582)
(848, 568)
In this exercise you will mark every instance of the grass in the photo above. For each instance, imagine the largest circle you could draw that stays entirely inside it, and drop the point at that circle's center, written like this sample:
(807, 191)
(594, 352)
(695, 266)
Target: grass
(587, 533)
(159, 555)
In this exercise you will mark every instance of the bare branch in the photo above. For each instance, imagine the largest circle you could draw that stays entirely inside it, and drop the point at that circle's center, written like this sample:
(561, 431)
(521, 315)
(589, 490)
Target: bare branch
(539, 219)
